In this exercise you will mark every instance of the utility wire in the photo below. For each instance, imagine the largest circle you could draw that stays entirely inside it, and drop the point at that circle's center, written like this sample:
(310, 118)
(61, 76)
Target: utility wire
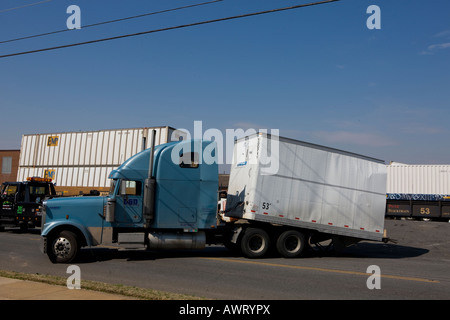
(112, 21)
(169, 28)
(24, 6)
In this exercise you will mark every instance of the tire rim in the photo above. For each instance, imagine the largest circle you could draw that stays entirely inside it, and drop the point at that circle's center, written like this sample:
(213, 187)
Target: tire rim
(256, 243)
(62, 247)
(292, 244)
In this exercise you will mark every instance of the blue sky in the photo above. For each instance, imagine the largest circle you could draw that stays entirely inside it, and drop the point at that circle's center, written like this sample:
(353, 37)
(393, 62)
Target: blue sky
(317, 74)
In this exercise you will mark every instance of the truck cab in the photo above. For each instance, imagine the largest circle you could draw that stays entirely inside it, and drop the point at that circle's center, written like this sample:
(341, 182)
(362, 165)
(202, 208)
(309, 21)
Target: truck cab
(20, 202)
(161, 198)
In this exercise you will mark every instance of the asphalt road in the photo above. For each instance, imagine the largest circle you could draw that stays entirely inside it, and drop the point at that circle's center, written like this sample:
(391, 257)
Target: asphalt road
(416, 267)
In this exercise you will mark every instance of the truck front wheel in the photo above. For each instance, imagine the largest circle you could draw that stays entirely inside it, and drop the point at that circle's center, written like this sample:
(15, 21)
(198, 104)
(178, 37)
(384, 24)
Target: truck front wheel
(290, 243)
(255, 243)
(63, 248)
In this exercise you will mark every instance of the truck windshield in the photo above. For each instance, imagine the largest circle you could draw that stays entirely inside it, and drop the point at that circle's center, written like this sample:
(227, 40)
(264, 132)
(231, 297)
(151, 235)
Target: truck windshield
(9, 190)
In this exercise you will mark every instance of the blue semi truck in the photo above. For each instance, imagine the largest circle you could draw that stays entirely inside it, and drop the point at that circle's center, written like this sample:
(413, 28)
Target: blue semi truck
(166, 197)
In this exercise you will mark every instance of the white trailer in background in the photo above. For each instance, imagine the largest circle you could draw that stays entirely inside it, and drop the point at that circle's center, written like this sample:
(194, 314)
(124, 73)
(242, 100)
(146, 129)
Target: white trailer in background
(418, 179)
(418, 191)
(294, 192)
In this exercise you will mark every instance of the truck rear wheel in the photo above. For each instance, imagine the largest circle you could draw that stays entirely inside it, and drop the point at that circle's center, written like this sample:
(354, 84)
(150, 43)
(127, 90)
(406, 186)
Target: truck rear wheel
(255, 243)
(290, 243)
(63, 248)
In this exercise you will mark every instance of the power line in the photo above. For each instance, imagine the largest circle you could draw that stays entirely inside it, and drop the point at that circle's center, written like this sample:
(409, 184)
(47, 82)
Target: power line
(24, 6)
(112, 21)
(169, 28)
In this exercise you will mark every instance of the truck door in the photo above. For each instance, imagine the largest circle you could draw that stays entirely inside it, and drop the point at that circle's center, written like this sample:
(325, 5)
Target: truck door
(188, 186)
(129, 202)
(12, 199)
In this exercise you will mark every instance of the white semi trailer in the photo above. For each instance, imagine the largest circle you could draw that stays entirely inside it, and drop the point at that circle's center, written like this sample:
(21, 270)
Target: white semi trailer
(306, 193)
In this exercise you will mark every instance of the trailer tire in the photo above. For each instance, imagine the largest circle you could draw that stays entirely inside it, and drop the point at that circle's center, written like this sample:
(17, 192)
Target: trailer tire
(290, 243)
(255, 243)
(63, 247)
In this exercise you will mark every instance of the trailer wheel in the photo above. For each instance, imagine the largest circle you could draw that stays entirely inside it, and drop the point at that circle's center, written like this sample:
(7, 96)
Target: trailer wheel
(63, 248)
(255, 243)
(290, 243)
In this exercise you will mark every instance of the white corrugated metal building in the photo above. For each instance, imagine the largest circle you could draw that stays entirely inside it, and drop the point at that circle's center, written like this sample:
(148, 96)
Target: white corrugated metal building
(81, 161)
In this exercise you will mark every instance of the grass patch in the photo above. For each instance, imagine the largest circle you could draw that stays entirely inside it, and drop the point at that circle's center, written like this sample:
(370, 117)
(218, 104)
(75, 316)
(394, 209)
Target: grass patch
(129, 291)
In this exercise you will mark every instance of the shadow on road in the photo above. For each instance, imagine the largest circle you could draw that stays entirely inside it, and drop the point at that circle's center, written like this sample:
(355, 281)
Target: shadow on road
(386, 251)
(360, 250)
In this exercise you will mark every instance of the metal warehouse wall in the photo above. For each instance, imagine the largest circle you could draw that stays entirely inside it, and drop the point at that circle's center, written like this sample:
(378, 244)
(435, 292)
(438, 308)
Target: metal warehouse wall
(418, 179)
(79, 161)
